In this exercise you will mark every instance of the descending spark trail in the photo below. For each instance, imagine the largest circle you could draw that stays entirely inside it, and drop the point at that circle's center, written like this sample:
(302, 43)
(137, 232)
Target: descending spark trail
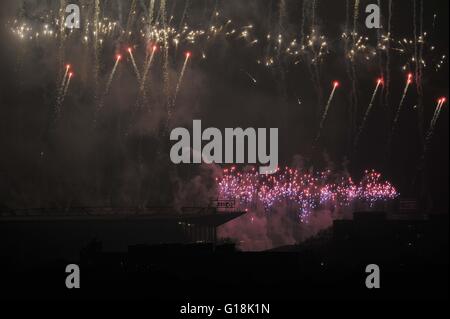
(313, 13)
(61, 91)
(436, 116)
(418, 58)
(409, 81)
(251, 77)
(150, 17)
(61, 87)
(133, 61)
(65, 74)
(305, 190)
(62, 34)
(111, 76)
(148, 64)
(165, 46)
(183, 16)
(130, 21)
(180, 80)
(113, 72)
(356, 17)
(66, 88)
(303, 24)
(108, 85)
(397, 116)
(282, 13)
(327, 109)
(387, 85)
(369, 110)
(151, 12)
(429, 137)
(96, 47)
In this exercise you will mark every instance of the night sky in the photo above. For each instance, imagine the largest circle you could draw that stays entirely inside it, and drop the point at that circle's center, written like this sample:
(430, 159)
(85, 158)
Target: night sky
(117, 154)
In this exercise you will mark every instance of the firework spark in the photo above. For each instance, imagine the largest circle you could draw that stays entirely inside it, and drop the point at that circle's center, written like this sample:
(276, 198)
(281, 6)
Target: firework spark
(437, 113)
(180, 79)
(368, 111)
(409, 81)
(133, 61)
(61, 90)
(327, 109)
(251, 77)
(66, 88)
(430, 133)
(108, 85)
(304, 190)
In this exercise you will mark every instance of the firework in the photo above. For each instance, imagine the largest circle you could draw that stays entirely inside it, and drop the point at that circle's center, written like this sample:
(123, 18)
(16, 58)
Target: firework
(409, 81)
(96, 47)
(61, 90)
(327, 109)
(368, 111)
(148, 25)
(66, 88)
(251, 77)
(111, 76)
(108, 85)
(133, 61)
(304, 190)
(356, 16)
(147, 66)
(180, 79)
(437, 113)
(430, 134)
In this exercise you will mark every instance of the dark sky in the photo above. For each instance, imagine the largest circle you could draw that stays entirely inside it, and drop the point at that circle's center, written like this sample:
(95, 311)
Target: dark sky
(123, 160)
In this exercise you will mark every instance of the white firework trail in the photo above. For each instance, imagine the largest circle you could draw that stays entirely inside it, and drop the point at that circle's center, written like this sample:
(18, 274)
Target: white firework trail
(96, 47)
(62, 34)
(130, 21)
(325, 114)
(183, 16)
(180, 80)
(436, 115)
(302, 30)
(400, 106)
(313, 13)
(251, 77)
(66, 88)
(143, 81)
(397, 116)
(355, 19)
(108, 85)
(367, 114)
(111, 76)
(61, 92)
(148, 64)
(388, 56)
(430, 133)
(133, 61)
